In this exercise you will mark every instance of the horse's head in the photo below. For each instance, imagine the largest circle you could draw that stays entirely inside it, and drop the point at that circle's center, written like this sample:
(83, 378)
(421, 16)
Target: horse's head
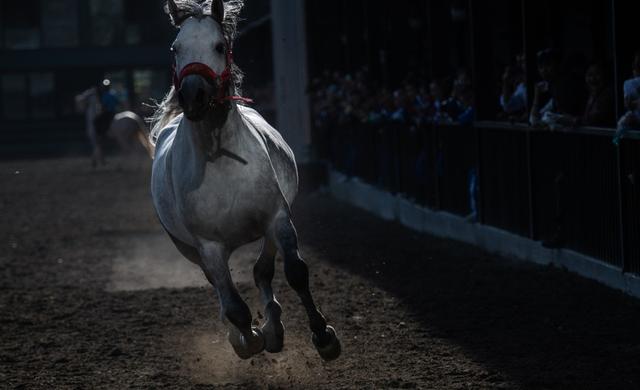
(202, 57)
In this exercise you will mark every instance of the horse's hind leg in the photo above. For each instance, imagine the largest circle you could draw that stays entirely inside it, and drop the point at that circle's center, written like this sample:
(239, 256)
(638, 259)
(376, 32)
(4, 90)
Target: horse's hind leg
(273, 329)
(246, 339)
(297, 273)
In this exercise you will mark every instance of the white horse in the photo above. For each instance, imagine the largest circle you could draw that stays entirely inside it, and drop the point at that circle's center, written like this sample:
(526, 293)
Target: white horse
(127, 128)
(223, 177)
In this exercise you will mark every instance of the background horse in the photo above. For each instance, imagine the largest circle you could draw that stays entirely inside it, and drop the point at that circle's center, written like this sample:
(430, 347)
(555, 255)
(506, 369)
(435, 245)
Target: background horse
(127, 128)
(223, 177)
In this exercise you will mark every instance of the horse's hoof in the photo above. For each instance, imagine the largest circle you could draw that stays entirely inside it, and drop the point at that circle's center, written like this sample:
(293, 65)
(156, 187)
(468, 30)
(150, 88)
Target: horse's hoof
(247, 347)
(273, 331)
(330, 348)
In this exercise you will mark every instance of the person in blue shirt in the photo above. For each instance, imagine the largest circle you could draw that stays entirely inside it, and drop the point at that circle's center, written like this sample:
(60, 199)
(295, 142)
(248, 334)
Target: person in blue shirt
(108, 105)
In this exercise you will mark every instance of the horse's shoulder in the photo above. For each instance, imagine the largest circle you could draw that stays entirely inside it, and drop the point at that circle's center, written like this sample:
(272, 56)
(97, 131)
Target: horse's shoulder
(274, 141)
(280, 154)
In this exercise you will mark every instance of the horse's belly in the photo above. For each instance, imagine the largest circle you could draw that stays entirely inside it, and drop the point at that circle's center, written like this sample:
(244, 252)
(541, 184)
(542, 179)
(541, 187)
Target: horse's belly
(236, 211)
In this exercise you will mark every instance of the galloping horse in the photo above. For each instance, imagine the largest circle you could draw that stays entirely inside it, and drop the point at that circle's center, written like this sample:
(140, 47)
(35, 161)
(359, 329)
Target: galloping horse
(127, 127)
(223, 177)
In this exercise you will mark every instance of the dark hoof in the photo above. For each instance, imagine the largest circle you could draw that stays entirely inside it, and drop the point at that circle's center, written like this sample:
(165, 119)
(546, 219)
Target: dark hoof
(247, 347)
(330, 348)
(273, 331)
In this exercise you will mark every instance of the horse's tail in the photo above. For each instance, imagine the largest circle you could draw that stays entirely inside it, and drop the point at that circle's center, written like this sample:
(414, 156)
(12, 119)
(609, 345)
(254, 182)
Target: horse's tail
(143, 135)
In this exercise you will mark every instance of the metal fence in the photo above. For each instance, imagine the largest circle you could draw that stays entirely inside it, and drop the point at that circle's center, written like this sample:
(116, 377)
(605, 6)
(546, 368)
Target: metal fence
(574, 189)
(630, 199)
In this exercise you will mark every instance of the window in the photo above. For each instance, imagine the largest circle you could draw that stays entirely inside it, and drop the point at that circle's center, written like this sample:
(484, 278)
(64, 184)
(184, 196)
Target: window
(14, 96)
(41, 95)
(74, 82)
(60, 23)
(107, 22)
(148, 85)
(21, 21)
(28, 96)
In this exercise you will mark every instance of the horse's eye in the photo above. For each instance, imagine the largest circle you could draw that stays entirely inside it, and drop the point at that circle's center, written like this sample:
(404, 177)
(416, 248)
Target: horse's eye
(220, 48)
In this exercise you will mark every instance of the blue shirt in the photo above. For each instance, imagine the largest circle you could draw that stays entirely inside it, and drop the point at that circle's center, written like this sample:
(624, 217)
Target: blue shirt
(109, 101)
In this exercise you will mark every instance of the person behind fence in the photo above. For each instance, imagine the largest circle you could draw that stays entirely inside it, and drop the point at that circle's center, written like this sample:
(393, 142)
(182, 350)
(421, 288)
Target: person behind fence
(599, 108)
(400, 112)
(558, 98)
(437, 107)
(631, 118)
(459, 103)
(513, 97)
(556, 104)
(467, 113)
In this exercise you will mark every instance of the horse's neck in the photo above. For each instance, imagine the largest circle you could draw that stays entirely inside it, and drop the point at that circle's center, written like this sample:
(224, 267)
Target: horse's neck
(197, 141)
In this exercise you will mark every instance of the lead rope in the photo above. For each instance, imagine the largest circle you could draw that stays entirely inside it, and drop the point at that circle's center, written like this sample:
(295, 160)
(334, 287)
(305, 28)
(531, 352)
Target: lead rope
(222, 152)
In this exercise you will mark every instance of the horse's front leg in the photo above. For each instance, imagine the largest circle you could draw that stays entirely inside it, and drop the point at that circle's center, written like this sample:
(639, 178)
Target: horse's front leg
(324, 336)
(273, 329)
(246, 339)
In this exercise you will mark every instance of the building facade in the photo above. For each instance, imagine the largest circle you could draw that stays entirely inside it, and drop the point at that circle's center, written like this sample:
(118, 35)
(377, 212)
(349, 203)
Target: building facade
(52, 50)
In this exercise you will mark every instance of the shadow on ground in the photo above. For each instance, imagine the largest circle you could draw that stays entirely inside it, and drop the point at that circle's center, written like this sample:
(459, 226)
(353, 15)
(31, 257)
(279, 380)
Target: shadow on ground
(541, 327)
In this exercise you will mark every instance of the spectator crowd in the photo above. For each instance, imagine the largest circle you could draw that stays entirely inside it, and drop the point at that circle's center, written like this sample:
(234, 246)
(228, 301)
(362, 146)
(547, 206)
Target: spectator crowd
(339, 98)
(569, 93)
(566, 96)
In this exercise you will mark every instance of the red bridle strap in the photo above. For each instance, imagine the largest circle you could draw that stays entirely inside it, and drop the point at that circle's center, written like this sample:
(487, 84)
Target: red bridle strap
(199, 69)
(219, 80)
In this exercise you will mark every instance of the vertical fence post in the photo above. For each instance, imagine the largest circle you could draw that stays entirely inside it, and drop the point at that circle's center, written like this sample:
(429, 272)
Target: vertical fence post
(437, 143)
(480, 205)
(617, 77)
(529, 135)
(621, 208)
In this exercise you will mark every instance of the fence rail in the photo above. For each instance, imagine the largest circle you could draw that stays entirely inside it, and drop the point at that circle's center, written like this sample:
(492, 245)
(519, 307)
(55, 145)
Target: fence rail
(572, 189)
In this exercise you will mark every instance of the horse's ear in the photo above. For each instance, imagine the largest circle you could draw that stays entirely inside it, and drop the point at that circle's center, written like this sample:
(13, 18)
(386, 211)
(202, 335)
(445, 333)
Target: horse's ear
(177, 17)
(217, 10)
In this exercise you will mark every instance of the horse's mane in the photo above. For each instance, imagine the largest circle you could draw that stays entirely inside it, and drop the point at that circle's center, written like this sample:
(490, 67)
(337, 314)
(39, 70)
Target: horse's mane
(169, 108)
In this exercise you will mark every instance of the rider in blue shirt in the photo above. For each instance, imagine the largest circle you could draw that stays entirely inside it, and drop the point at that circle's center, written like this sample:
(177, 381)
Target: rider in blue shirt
(109, 103)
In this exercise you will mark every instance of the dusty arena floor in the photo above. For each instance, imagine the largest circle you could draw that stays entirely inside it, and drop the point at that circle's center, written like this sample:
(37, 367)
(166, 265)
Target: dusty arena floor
(93, 295)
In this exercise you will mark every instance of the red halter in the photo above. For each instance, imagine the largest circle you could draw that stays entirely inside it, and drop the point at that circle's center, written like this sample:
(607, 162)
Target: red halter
(221, 81)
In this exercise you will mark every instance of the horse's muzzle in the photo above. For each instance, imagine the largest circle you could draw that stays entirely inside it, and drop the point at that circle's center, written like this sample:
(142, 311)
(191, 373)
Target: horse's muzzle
(194, 97)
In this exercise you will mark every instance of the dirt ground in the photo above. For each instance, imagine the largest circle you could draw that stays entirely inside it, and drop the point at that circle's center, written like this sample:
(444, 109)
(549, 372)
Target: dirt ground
(93, 295)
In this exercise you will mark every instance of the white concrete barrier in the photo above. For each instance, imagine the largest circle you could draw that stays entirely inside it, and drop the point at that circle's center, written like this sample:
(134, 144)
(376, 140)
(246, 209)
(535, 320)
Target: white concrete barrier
(494, 240)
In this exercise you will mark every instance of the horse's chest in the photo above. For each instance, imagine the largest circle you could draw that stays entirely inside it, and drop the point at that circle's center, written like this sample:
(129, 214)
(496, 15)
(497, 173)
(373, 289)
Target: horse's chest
(232, 202)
